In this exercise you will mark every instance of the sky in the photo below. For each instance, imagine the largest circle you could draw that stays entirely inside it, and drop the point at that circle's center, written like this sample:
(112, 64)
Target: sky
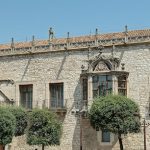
(21, 19)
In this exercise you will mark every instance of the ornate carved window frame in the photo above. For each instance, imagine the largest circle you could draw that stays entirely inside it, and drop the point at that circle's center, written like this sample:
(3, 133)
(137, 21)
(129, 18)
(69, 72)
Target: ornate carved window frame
(103, 65)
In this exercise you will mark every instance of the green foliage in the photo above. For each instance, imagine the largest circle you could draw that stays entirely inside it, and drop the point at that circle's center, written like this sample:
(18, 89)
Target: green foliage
(21, 119)
(7, 126)
(115, 113)
(44, 128)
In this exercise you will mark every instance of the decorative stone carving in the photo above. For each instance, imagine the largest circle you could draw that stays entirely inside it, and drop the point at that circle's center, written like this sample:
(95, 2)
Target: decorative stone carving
(103, 63)
(101, 66)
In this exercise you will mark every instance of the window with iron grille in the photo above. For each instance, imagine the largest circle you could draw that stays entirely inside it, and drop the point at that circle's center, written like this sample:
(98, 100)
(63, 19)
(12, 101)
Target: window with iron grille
(122, 85)
(85, 89)
(56, 95)
(26, 94)
(102, 85)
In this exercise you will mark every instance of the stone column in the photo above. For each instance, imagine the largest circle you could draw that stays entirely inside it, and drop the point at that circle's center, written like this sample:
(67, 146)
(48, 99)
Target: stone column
(90, 91)
(17, 95)
(114, 84)
(127, 86)
(47, 95)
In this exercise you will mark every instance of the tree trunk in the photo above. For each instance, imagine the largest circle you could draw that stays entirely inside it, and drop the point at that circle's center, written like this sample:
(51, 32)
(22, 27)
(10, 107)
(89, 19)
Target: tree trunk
(42, 146)
(2, 147)
(120, 141)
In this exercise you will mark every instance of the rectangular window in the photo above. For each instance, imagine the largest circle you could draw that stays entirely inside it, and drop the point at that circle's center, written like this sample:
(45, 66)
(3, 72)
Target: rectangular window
(122, 85)
(102, 85)
(85, 89)
(105, 136)
(56, 95)
(26, 94)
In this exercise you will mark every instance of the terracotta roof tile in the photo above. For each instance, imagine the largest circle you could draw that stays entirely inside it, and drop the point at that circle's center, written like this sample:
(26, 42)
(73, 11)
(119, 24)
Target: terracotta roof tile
(108, 36)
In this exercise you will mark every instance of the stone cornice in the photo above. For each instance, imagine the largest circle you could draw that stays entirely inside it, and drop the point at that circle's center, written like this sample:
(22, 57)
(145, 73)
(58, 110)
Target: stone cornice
(77, 43)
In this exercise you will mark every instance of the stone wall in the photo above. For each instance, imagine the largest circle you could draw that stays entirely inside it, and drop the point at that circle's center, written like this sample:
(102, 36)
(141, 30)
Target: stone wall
(65, 66)
(40, 70)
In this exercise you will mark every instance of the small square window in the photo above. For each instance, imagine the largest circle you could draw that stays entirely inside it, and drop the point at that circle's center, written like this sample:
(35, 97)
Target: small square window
(105, 136)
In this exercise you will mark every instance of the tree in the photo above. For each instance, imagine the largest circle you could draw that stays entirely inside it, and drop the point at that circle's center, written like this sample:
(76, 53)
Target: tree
(21, 119)
(44, 128)
(7, 126)
(115, 113)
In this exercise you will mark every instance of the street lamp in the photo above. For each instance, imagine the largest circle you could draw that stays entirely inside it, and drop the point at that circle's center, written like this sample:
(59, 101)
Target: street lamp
(81, 113)
(144, 124)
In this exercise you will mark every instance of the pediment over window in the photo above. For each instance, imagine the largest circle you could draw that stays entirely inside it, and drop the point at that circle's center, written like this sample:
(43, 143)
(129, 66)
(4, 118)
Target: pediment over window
(103, 63)
(101, 66)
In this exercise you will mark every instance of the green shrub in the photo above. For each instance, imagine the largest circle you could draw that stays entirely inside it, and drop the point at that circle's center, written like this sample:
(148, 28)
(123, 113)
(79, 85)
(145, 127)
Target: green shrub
(7, 126)
(115, 113)
(21, 119)
(44, 128)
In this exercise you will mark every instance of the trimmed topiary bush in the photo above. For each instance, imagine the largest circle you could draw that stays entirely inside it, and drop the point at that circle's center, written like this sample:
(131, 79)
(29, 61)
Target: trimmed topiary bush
(21, 119)
(44, 128)
(7, 126)
(115, 113)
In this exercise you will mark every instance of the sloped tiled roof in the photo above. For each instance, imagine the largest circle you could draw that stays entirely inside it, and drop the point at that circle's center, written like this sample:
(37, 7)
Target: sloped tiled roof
(108, 36)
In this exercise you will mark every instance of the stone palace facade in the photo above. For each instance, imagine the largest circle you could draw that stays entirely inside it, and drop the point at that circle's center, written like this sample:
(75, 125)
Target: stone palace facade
(65, 75)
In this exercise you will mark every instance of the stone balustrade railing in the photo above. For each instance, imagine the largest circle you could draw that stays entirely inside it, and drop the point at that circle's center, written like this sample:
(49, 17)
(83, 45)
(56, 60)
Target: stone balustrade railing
(29, 48)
